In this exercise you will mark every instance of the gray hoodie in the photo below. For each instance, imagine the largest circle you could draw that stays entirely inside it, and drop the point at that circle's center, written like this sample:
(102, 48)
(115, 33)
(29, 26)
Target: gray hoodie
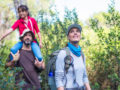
(74, 80)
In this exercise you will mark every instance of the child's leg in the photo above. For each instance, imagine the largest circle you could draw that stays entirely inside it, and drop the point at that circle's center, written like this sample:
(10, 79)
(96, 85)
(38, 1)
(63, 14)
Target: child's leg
(15, 48)
(36, 51)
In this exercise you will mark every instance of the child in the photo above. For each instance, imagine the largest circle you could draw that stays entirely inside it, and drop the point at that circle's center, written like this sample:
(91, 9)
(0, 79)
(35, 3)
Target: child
(25, 22)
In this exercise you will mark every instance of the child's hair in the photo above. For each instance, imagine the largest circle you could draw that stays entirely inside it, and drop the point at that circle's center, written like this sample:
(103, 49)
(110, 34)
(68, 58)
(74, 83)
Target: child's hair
(23, 8)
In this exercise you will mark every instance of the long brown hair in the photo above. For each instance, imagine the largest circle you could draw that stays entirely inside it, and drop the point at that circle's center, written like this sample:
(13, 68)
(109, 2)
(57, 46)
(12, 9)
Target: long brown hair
(24, 8)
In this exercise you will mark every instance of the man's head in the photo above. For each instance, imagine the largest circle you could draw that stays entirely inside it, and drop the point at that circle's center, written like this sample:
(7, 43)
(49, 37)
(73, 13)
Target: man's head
(27, 37)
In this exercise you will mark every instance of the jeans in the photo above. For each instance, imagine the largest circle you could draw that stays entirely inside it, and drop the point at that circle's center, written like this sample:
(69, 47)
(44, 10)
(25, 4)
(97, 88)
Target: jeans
(35, 48)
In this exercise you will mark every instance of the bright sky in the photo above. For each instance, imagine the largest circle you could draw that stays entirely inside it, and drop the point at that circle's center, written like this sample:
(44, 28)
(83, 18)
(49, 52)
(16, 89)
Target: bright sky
(85, 8)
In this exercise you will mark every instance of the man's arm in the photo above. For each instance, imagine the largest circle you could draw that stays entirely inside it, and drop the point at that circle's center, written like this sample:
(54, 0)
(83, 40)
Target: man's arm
(10, 64)
(15, 59)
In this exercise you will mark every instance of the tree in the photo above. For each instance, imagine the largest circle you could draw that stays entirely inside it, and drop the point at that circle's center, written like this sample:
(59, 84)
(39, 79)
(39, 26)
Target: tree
(107, 59)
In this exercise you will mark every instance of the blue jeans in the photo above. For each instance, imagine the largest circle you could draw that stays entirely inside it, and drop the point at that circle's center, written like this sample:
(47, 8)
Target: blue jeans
(35, 48)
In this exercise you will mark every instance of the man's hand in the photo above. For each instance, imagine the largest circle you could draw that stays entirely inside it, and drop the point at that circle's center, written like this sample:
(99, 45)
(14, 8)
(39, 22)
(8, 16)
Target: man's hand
(15, 56)
(38, 63)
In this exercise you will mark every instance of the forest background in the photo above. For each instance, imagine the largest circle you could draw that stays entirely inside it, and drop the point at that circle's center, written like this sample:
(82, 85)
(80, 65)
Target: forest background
(100, 40)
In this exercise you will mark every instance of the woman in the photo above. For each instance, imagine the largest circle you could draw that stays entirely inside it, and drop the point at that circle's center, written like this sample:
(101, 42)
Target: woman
(76, 76)
(25, 22)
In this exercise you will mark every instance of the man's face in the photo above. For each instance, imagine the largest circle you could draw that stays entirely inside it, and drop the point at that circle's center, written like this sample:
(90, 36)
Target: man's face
(27, 39)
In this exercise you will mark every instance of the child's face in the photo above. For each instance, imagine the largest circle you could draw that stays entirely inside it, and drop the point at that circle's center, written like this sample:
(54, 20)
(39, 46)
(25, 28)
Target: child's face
(22, 13)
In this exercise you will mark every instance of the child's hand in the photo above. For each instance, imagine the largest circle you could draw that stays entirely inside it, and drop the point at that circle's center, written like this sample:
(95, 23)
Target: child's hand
(0, 38)
(40, 44)
(15, 56)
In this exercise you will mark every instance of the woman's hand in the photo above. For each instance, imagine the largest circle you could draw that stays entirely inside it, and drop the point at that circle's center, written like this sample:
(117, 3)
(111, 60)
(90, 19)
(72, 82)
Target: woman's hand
(87, 86)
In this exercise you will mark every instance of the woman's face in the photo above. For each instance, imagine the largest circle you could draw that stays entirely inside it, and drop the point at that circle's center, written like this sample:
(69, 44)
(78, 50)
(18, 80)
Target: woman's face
(22, 13)
(74, 35)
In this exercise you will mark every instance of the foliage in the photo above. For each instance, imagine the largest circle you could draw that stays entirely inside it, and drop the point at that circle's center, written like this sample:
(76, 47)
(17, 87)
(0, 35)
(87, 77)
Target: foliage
(106, 60)
(7, 75)
(54, 33)
(100, 42)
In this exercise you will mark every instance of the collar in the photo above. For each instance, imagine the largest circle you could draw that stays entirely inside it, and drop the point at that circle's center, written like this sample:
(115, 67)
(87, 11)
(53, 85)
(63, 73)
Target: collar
(21, 20)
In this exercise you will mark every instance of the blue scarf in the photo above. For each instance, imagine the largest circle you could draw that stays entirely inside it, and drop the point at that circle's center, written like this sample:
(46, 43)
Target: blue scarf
(76, 51)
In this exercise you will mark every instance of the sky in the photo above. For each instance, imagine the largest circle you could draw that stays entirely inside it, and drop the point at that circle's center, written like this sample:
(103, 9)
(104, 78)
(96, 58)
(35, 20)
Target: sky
(85, 8)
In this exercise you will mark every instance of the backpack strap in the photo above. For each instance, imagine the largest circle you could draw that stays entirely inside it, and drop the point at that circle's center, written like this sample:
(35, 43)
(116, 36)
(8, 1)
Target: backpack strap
(66, 69)
(68, 60)
(66, 65)
(69, 57)
(30, 24)
(67, 51)
(83, 57)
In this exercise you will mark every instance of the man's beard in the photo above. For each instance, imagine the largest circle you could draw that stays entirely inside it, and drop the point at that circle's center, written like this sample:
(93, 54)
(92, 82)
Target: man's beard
(27, 42)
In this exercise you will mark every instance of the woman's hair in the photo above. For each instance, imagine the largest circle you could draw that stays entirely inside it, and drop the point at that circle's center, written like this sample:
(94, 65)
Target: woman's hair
(23, 8)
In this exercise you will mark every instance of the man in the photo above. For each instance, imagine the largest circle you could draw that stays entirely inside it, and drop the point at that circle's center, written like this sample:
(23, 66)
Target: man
(25, 59)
